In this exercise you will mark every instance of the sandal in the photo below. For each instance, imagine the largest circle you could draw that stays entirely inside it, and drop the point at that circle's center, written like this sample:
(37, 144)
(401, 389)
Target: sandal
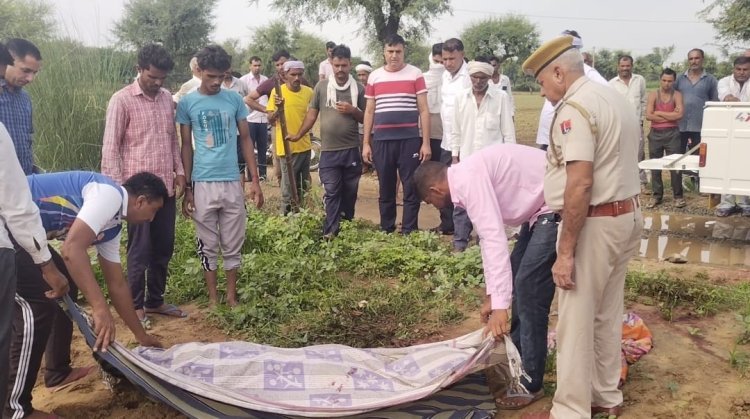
(607, 411)
(517, 401)
(167, 310)
(653, 203)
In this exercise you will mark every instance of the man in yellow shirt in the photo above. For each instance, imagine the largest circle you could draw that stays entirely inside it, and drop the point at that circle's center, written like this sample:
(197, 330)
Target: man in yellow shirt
(296, 97)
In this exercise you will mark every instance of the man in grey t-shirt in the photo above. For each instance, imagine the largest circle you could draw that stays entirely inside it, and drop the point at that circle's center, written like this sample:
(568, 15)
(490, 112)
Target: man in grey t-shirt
(340, 102)
(697, 88)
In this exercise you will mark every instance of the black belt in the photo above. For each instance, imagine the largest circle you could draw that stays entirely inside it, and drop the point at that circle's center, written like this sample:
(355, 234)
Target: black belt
(550, 217)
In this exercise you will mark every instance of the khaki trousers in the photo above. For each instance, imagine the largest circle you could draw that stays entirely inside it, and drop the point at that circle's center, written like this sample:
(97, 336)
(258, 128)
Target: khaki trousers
(589, 328)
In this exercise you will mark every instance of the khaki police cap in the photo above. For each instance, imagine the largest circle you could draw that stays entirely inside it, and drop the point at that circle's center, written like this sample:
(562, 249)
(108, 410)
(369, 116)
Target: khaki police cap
(547, 53)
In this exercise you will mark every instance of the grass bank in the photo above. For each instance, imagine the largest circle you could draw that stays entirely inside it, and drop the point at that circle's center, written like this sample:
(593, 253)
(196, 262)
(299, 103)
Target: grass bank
(70, 98)
(365, 288)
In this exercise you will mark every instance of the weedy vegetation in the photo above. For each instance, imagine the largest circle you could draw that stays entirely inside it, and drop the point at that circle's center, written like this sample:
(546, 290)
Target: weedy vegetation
(673, 291)
(365, 288)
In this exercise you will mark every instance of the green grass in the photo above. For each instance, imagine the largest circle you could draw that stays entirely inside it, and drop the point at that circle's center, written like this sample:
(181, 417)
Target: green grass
(70, 98)
(672, 292)
(528, 106)
(365, 288)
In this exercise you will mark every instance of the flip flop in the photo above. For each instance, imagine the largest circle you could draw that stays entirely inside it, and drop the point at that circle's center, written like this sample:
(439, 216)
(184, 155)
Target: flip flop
(607, 412)
(168, 310)
(517, 401)
(676, 258)
(77, 374)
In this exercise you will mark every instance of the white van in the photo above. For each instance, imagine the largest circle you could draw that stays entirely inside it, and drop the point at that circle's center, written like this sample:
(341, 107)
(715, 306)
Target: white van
(723, 161)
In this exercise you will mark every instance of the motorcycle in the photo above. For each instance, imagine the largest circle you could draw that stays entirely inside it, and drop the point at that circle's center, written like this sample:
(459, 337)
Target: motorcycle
(314, 153)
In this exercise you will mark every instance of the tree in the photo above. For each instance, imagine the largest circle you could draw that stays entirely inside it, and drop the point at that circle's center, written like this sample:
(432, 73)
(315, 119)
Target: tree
(28, 19)
(240, 55)
(268, 39)
(507, 37)
(310, 49)
(606, 61)
(730, 18)
(651, 64)
(410, 18)
(275, 36)
(711, 64)
(183, 27)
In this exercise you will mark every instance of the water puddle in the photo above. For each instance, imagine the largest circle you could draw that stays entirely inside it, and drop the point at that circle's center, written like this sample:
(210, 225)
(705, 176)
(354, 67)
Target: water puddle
(697, 239)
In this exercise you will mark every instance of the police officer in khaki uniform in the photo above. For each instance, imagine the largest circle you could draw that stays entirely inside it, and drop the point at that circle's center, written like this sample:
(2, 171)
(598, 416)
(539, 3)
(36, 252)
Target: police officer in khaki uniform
(592, 180)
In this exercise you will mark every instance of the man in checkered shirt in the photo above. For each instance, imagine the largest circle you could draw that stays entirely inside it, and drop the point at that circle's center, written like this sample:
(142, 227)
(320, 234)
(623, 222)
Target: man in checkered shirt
(140, 136)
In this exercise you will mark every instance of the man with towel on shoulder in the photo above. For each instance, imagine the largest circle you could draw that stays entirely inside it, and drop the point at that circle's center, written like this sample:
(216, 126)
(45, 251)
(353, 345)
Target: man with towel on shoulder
(340, 101)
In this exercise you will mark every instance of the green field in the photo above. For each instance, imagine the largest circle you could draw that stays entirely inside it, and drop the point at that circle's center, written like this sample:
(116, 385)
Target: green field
(528, 106)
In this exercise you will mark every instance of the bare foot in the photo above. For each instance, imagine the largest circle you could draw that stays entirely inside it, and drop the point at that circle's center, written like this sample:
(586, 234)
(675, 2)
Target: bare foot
(75, 375)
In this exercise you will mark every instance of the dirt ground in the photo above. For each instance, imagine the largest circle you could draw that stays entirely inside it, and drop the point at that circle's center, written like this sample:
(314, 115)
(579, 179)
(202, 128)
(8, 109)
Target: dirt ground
(687, 374)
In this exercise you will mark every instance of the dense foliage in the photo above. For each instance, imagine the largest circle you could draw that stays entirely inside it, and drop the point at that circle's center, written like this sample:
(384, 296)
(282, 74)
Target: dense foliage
(29, 19)
(730, 18)
(183, 27)
(378, 18)
(365, 288)
(70, 97)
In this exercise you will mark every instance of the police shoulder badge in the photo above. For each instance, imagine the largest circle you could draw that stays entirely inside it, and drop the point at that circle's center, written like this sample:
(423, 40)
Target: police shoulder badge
(565, 126)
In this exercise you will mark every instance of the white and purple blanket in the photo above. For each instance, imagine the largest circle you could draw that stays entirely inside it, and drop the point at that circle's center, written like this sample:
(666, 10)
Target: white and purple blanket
(324, 380)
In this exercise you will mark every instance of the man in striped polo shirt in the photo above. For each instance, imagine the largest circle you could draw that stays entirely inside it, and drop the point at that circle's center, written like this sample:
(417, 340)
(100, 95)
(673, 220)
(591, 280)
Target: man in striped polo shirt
(396, 104)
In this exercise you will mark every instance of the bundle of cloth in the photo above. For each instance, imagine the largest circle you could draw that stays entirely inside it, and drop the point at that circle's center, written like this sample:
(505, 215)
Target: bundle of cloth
(248, 380)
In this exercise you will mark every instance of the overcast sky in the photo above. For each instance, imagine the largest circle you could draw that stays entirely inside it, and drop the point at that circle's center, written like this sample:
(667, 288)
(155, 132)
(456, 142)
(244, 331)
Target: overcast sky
(635, 25)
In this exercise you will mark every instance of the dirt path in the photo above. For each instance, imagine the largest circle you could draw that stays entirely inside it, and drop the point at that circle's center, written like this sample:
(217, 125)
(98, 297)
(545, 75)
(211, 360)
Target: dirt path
(687, 375)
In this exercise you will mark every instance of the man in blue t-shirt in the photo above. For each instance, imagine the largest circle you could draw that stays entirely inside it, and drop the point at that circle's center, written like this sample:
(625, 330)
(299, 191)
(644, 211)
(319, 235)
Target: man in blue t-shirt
(214, 197)
(83, 209)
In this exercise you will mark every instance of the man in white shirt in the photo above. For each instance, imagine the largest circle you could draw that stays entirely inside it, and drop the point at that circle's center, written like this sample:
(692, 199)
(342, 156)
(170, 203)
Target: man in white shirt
(482, 116)
(734, 88)
(325, 69)
(633, 88)
(455, 79)
(189, 85)
(258, 121)
(548, 111)
(501, 81)
(433, 78)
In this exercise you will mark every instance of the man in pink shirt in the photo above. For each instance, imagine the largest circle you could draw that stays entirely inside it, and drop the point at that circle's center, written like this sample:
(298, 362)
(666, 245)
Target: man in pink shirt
(140, 136)
(504, 185)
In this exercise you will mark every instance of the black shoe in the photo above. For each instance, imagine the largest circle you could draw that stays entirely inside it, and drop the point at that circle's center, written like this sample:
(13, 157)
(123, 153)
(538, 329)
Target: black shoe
(439, 230)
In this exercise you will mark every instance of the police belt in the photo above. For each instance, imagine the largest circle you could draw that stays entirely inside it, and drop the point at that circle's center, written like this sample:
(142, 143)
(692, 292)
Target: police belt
(613, 209)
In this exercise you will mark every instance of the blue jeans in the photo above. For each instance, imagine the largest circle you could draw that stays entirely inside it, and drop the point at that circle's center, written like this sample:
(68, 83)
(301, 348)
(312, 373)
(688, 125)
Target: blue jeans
(259, 135)
(446, 214)
(533, 289)
(462, 228)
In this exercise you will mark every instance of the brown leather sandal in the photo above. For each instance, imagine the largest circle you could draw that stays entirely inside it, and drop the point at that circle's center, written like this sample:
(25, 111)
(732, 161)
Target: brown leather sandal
(609, 411)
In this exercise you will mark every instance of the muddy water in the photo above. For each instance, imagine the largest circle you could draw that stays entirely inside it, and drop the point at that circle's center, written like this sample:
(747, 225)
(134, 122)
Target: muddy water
(697, 239)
